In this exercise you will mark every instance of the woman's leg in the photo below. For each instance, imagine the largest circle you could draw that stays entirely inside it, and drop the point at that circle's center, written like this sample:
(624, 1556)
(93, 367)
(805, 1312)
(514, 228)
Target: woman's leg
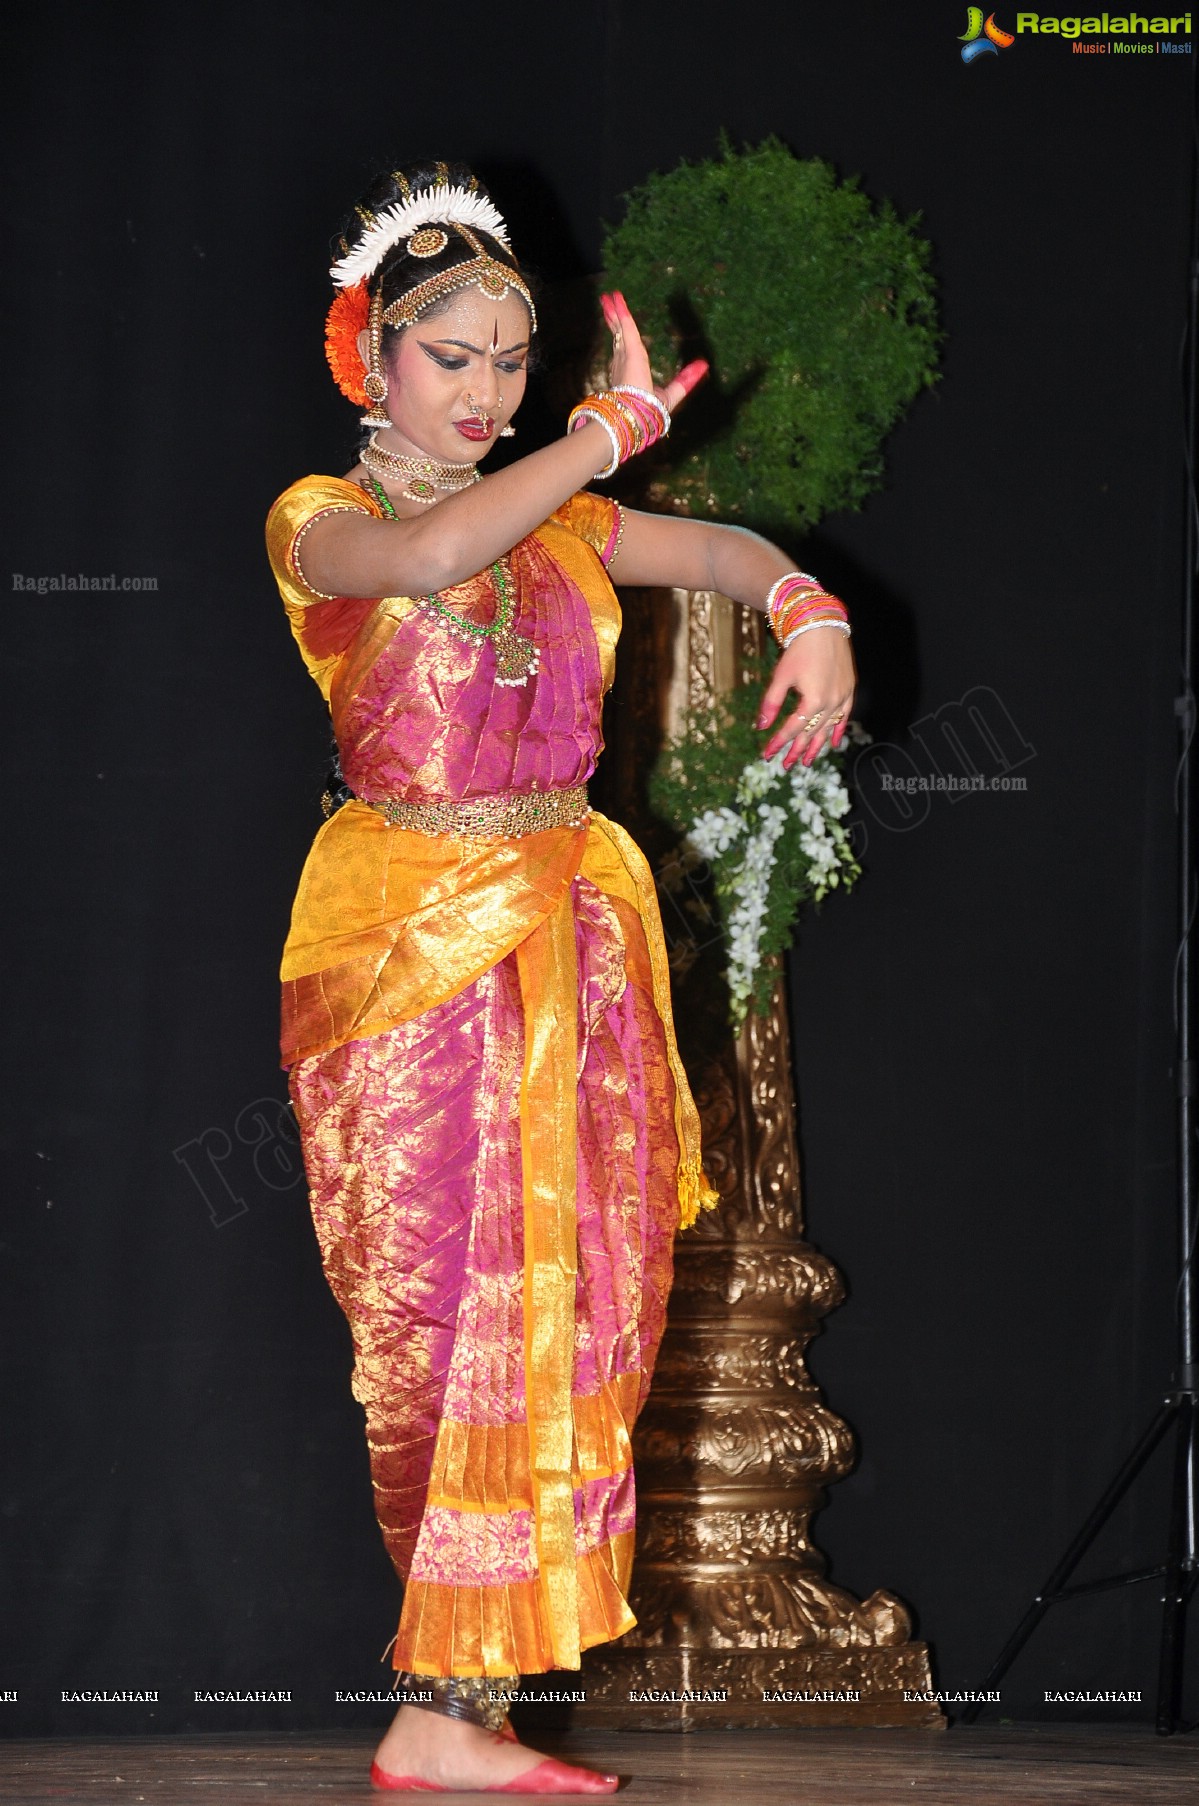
(412, 1140)
(408, 1140)
(389, 1132)
(460, 1739)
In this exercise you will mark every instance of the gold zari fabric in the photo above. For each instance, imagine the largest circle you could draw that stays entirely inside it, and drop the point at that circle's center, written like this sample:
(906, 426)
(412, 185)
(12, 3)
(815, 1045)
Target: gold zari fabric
(499, 1135)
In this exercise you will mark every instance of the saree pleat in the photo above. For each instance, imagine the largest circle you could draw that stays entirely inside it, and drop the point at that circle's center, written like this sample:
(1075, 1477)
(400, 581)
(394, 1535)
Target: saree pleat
(427, 1257)
(498, 1134)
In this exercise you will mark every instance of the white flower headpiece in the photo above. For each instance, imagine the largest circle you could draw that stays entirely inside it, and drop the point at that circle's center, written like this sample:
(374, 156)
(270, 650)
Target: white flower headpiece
(442, 205)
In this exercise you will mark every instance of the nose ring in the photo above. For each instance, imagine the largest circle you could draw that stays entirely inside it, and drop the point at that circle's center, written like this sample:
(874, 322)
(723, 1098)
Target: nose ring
(480, 412)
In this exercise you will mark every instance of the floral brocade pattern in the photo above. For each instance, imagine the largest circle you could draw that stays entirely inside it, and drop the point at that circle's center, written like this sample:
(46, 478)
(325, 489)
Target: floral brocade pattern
(498, 1135)
(428, 721)
(413, 1150)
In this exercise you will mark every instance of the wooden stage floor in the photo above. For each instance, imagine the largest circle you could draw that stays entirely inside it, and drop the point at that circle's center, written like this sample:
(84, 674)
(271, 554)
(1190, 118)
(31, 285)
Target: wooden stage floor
(974, 1765)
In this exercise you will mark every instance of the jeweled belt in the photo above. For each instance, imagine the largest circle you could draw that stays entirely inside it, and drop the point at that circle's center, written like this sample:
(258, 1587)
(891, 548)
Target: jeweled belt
(508, 814)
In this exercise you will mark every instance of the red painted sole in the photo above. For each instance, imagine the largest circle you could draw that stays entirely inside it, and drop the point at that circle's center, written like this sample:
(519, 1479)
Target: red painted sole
(550, 1776)
(402, 1783)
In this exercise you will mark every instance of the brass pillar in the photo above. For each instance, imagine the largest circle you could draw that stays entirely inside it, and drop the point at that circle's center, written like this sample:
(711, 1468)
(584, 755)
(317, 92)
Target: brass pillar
(735, 1447)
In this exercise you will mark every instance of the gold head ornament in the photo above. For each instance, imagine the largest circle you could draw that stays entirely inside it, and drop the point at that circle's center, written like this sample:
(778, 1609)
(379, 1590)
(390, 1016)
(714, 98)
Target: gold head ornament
(487, 274)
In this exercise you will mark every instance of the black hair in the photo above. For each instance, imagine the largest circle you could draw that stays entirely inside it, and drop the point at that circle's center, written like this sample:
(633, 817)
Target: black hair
(400, 271)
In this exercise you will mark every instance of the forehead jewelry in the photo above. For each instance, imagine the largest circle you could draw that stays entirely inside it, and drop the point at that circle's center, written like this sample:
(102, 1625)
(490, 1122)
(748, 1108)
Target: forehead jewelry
(427, 242)
(491, 278)
(419, 219)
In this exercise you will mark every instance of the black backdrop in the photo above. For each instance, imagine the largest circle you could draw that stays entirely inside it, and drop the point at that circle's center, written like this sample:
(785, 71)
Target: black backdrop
(983, 1030)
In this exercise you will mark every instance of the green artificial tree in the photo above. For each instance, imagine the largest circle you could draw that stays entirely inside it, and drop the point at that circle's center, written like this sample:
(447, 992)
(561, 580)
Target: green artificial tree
(815, 307)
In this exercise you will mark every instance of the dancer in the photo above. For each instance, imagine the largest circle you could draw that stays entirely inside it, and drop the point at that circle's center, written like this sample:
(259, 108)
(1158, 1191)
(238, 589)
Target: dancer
(498, 1135)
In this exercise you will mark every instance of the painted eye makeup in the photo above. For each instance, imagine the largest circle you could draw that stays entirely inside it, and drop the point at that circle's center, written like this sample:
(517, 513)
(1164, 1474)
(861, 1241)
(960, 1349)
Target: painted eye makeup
(447, 360)
(447, 363)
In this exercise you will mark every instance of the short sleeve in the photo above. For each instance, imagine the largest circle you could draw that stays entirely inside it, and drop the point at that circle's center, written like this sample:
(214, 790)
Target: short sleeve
(323, 625)
(595, 519)
(297, 509)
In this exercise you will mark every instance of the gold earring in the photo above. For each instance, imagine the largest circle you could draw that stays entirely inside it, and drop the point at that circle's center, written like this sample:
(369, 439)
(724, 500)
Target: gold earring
(374, 382)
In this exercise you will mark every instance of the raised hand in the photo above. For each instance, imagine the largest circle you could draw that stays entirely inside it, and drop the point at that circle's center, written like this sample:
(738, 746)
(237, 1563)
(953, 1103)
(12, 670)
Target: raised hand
(630, 361)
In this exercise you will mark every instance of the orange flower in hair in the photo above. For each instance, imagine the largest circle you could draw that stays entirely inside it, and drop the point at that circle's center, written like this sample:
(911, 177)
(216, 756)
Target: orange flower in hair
(348, 316)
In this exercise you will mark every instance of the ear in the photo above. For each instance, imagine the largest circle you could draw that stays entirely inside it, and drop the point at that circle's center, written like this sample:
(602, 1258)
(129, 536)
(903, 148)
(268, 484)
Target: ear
(364, 348)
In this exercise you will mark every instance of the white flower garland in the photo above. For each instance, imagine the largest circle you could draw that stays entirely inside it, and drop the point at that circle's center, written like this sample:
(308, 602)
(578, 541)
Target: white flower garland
(438, 206)
(764, 795)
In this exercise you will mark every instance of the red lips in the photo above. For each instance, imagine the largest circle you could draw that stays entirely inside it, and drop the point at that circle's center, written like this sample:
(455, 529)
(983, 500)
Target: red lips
(478, 430)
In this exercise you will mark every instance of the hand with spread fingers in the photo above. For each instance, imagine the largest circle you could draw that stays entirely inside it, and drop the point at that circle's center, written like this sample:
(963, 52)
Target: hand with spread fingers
(630, 360)
(816, 666)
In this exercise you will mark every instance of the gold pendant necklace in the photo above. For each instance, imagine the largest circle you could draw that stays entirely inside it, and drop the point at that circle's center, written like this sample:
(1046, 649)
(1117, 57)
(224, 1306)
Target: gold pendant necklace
(517, 657)
(422, 477)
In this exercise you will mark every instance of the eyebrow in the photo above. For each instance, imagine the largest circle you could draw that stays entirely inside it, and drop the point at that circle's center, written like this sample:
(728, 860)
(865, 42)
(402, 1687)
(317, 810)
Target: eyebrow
(478, 349)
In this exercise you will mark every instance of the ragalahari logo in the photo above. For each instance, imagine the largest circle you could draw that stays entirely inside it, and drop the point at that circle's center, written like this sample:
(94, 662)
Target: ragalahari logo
(983, 37)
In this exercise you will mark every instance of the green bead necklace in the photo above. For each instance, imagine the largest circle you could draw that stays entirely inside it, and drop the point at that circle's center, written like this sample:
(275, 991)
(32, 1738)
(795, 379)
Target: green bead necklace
(516, 657)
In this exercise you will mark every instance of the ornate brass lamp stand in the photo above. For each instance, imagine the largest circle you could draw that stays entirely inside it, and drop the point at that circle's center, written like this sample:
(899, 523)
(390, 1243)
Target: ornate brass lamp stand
(736, 1447)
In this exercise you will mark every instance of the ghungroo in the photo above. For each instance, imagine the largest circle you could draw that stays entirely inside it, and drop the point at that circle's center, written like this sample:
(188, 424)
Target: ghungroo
(466, 1697)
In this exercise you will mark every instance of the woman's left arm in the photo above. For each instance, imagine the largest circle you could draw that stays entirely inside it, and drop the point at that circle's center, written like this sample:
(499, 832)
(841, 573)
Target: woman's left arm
(662, 550)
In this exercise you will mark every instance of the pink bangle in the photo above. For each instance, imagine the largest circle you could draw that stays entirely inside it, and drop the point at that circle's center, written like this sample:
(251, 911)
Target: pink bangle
(800, 579)
(634, 419)
(797, 602)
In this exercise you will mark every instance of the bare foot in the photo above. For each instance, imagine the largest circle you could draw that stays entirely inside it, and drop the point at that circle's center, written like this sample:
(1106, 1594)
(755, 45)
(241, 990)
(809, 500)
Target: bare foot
(465, 1758)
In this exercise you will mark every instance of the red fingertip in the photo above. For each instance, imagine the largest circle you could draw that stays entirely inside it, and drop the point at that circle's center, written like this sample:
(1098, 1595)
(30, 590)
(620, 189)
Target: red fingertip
(692, 374)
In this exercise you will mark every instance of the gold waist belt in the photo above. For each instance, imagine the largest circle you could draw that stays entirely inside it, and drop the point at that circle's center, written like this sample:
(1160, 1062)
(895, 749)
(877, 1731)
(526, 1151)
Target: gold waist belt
(508, 814)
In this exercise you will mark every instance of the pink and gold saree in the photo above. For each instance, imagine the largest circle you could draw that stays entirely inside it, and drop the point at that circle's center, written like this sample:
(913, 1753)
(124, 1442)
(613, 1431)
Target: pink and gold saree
(499, 1139)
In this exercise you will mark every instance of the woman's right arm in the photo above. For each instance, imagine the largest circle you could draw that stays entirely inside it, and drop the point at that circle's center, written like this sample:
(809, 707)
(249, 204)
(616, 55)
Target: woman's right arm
(351, 554)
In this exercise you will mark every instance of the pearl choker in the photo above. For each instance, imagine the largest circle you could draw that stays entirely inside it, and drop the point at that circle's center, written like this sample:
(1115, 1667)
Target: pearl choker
(422, 477)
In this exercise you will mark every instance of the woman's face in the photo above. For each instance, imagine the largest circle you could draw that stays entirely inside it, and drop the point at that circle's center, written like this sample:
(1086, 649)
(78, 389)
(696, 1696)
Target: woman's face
(473, 353)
